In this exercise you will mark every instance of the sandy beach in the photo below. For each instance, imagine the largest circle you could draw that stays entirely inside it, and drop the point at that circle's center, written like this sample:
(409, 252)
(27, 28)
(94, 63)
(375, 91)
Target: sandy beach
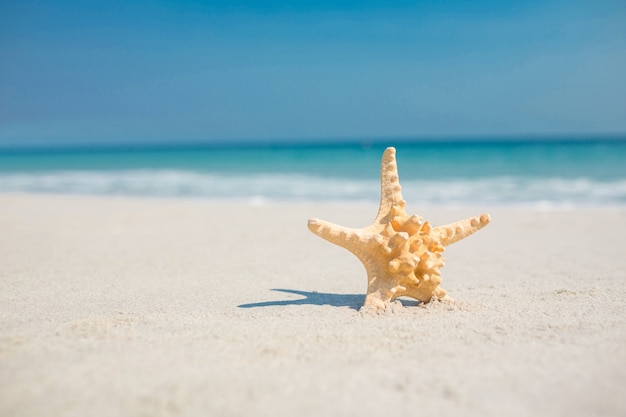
(148, 307)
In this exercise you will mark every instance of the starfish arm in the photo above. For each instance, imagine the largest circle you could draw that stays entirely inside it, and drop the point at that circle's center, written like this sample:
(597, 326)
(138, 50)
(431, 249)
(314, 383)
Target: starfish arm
(334, 233)
(454, 232)
(390, 189)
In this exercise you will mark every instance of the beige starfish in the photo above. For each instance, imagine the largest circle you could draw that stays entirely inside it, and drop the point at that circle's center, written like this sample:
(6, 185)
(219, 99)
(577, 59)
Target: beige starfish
(401, 253)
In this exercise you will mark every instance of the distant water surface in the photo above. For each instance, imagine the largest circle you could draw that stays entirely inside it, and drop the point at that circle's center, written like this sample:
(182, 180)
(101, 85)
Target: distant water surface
(540, 173)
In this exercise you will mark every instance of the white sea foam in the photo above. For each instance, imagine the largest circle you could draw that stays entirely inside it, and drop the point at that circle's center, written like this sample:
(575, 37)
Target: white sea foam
(259, 188)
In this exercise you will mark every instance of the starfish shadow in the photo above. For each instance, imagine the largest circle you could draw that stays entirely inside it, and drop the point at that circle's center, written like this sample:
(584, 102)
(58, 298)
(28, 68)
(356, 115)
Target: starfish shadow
(353, 301)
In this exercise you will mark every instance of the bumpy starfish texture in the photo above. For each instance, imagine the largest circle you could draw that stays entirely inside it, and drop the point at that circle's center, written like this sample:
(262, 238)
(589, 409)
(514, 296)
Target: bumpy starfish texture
(402, 254)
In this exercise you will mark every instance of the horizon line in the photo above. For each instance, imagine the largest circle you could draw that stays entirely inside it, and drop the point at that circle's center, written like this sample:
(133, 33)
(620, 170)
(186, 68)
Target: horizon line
(367, 142)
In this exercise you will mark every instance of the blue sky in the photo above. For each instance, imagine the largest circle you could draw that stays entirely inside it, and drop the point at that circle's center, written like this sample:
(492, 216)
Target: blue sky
(160, 71)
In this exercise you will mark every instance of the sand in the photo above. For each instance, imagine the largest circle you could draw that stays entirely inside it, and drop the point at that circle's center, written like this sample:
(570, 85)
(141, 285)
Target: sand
(139, 307)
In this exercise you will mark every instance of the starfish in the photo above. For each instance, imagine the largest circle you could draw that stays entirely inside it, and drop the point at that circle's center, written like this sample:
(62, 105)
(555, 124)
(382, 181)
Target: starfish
(402, 254)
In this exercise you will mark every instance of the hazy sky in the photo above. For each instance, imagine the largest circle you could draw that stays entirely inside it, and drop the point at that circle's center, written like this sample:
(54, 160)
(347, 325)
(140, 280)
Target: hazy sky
(190, 70)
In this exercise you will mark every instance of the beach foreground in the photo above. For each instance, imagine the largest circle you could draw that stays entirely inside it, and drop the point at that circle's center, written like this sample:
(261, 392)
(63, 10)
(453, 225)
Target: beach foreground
(118, 306)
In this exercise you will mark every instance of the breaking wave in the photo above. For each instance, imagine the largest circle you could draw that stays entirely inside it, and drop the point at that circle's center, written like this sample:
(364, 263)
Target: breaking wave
(181, 183)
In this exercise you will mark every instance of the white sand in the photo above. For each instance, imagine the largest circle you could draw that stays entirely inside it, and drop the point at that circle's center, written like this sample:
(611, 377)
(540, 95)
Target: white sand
(123, 307)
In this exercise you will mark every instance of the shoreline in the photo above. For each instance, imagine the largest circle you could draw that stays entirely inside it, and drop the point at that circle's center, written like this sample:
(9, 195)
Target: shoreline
(259, 201)
(144, 306)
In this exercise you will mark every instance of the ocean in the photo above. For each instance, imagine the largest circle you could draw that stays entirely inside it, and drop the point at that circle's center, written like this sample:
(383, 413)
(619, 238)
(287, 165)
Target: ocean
(547, 174)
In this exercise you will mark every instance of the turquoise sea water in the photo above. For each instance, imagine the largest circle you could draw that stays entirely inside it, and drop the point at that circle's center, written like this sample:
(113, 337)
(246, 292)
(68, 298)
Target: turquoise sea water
(541, 173)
